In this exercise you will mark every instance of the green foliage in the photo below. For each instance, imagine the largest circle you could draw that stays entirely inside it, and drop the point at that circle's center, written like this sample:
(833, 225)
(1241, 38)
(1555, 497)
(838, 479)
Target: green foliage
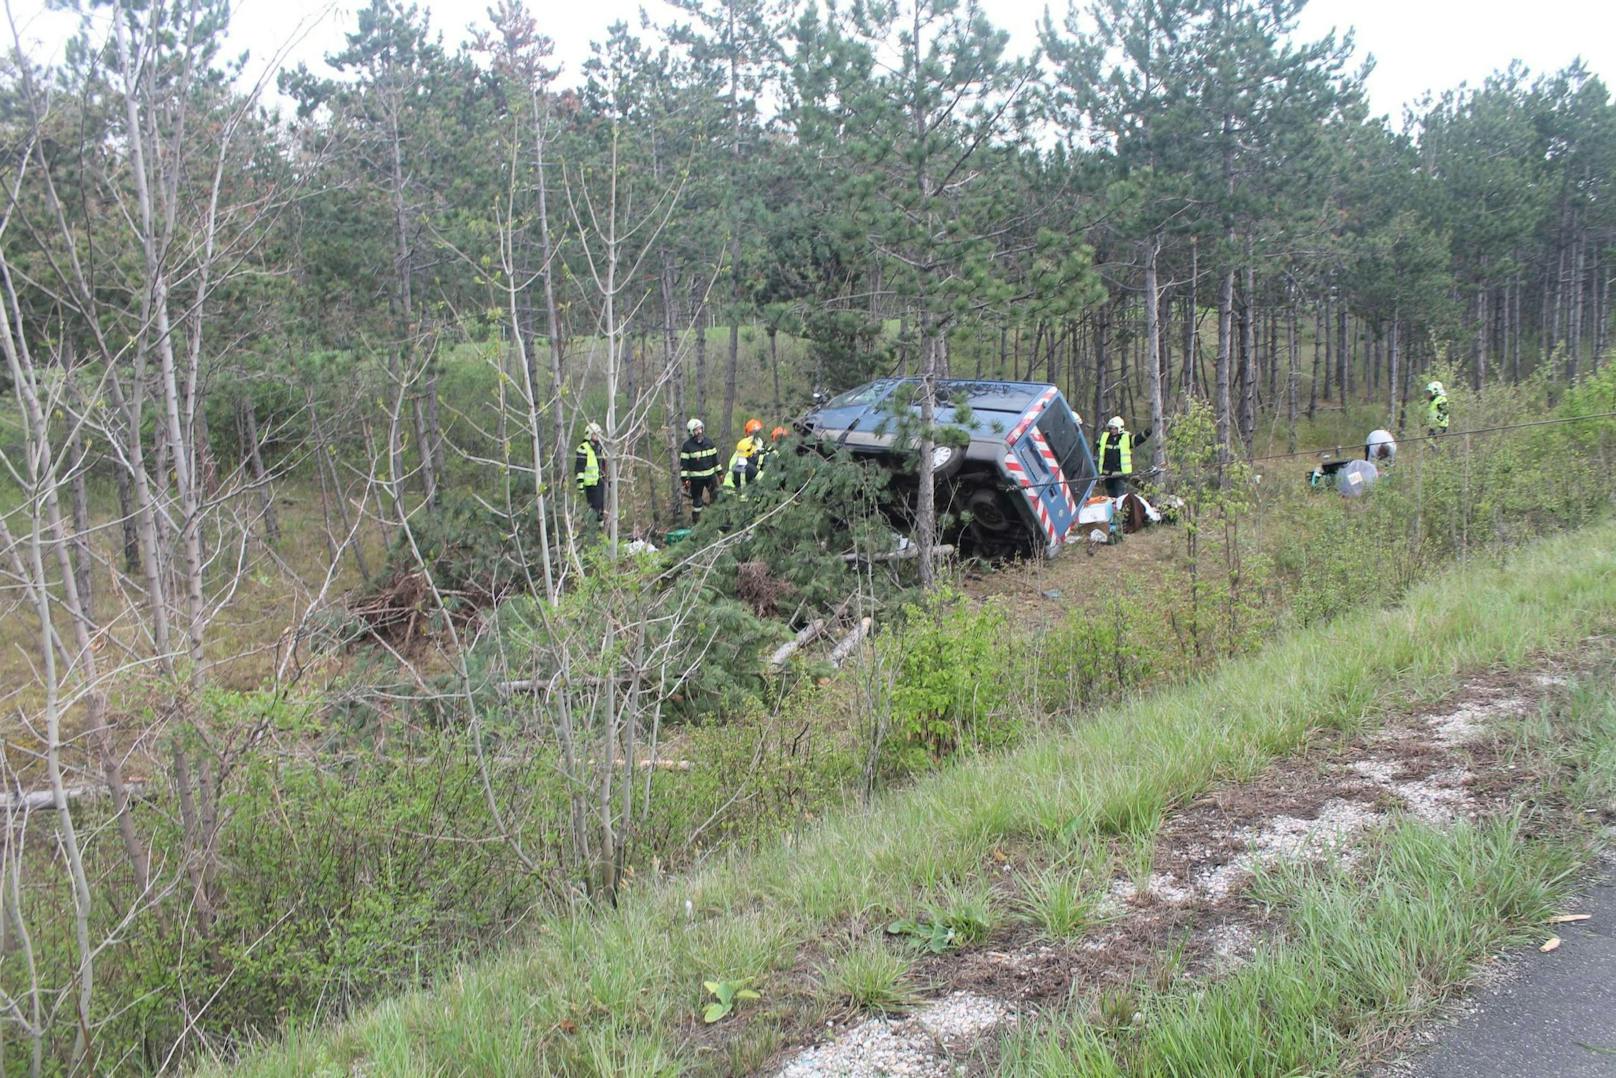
(710, 644)
(726, 995)
(1092, 657)
(868, 977)
(956, 916)
(933, 936)
(949, 689)
(472, 550)
(1059, 903)
(796, 520)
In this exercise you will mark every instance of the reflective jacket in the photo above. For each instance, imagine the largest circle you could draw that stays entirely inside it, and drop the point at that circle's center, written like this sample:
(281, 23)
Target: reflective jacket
(1115, 453)
(743, 464)
(1436, 412)
(586, 465)
(698, 458)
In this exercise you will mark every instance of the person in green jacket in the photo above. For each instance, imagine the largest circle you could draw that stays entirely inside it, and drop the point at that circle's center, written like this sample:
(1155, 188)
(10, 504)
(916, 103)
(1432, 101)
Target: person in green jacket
(1436, 411)
(587, 469)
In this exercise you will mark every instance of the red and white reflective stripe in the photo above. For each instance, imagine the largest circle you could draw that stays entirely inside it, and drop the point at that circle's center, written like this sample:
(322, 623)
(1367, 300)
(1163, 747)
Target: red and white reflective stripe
(1019, 473)
(1048, 454)
(1032, 415)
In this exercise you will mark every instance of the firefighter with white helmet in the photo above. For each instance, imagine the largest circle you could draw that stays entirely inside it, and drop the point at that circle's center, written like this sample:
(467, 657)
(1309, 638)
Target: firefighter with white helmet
(698, 468)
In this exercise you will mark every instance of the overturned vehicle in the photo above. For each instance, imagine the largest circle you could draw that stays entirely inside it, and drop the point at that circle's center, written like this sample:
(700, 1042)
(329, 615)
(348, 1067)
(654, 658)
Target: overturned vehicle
(1012, 465)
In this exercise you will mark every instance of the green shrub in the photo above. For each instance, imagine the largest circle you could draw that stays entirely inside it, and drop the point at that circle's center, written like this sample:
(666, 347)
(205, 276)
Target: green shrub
(952, 662)
(1092, 657)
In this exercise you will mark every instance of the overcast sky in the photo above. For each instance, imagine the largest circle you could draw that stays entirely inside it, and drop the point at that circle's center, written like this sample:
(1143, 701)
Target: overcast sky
(1418, 45)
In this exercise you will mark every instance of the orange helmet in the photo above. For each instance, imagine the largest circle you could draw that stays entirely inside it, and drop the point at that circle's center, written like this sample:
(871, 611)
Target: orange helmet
(777, 433)
(753, 426)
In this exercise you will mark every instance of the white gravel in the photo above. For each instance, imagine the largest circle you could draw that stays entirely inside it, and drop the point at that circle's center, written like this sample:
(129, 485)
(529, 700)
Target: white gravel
(1471, 721)
(911, 1046)
(919, 1045)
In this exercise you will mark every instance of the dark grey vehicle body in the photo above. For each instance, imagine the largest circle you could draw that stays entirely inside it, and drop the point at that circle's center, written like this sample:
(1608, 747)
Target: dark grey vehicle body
(1019, 481)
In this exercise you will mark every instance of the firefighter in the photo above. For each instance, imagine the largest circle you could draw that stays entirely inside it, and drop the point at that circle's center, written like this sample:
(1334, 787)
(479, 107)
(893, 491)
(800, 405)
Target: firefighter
(1114, 455)
(1436, 411)
(586, 466)
(698, 469)
(743, 463)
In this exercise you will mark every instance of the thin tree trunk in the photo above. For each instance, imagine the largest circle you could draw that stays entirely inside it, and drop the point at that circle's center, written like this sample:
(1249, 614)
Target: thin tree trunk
(1153, 354)
(1191, 317)
(1392, 378)
(1574, 324)
(731, 362)
(260, 474)
(1248, 355)
(1224, 361)
(926, 497)
(1343, 358)
(1313, 383)
(1102, 368)
(1292, 375)
(701, 362)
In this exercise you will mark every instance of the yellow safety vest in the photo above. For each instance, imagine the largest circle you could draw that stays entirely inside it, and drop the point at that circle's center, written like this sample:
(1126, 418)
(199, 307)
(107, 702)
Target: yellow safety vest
(1436, 413)
(1125, 442)
(590, 476)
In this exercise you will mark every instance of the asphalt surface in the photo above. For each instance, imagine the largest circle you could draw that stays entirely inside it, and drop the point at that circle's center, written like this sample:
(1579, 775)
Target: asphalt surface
(1554, 1016)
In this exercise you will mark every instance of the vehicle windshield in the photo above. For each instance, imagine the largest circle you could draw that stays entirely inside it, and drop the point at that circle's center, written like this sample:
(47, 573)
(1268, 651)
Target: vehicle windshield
(862, 397)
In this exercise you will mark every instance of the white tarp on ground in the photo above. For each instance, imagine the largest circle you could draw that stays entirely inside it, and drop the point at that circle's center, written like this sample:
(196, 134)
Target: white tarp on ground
(1150, 510)
(1355, 478)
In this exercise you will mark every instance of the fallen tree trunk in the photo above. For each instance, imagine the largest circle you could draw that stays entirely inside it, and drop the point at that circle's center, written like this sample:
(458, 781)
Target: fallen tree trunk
(899, 555)
(845, 646)
(808, 634)
(33, 800)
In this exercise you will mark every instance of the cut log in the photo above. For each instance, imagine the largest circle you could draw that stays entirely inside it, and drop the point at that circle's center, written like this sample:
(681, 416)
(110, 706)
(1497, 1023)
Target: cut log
(807, 634)
(912, 551)
(40, 800)
(845, 646)
(660, 765)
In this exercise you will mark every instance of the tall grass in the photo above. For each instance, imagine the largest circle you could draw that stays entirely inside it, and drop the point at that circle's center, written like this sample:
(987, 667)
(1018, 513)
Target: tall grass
(619, 980)
(1361, 951)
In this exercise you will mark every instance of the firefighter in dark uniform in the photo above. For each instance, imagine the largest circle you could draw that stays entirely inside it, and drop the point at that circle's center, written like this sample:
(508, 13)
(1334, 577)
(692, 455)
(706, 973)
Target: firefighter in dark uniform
(698, 469)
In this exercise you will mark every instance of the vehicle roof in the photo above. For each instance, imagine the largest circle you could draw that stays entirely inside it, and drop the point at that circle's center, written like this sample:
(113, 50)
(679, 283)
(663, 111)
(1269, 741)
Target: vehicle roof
(994, 405)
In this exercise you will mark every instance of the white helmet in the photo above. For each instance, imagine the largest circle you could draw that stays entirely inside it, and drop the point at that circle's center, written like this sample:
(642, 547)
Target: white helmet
(1435, 389)
(693, 426)
(593, 430)
(1115, 423)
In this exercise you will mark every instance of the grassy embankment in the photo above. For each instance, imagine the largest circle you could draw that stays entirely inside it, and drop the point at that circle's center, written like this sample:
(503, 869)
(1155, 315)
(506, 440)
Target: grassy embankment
(615, 990)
